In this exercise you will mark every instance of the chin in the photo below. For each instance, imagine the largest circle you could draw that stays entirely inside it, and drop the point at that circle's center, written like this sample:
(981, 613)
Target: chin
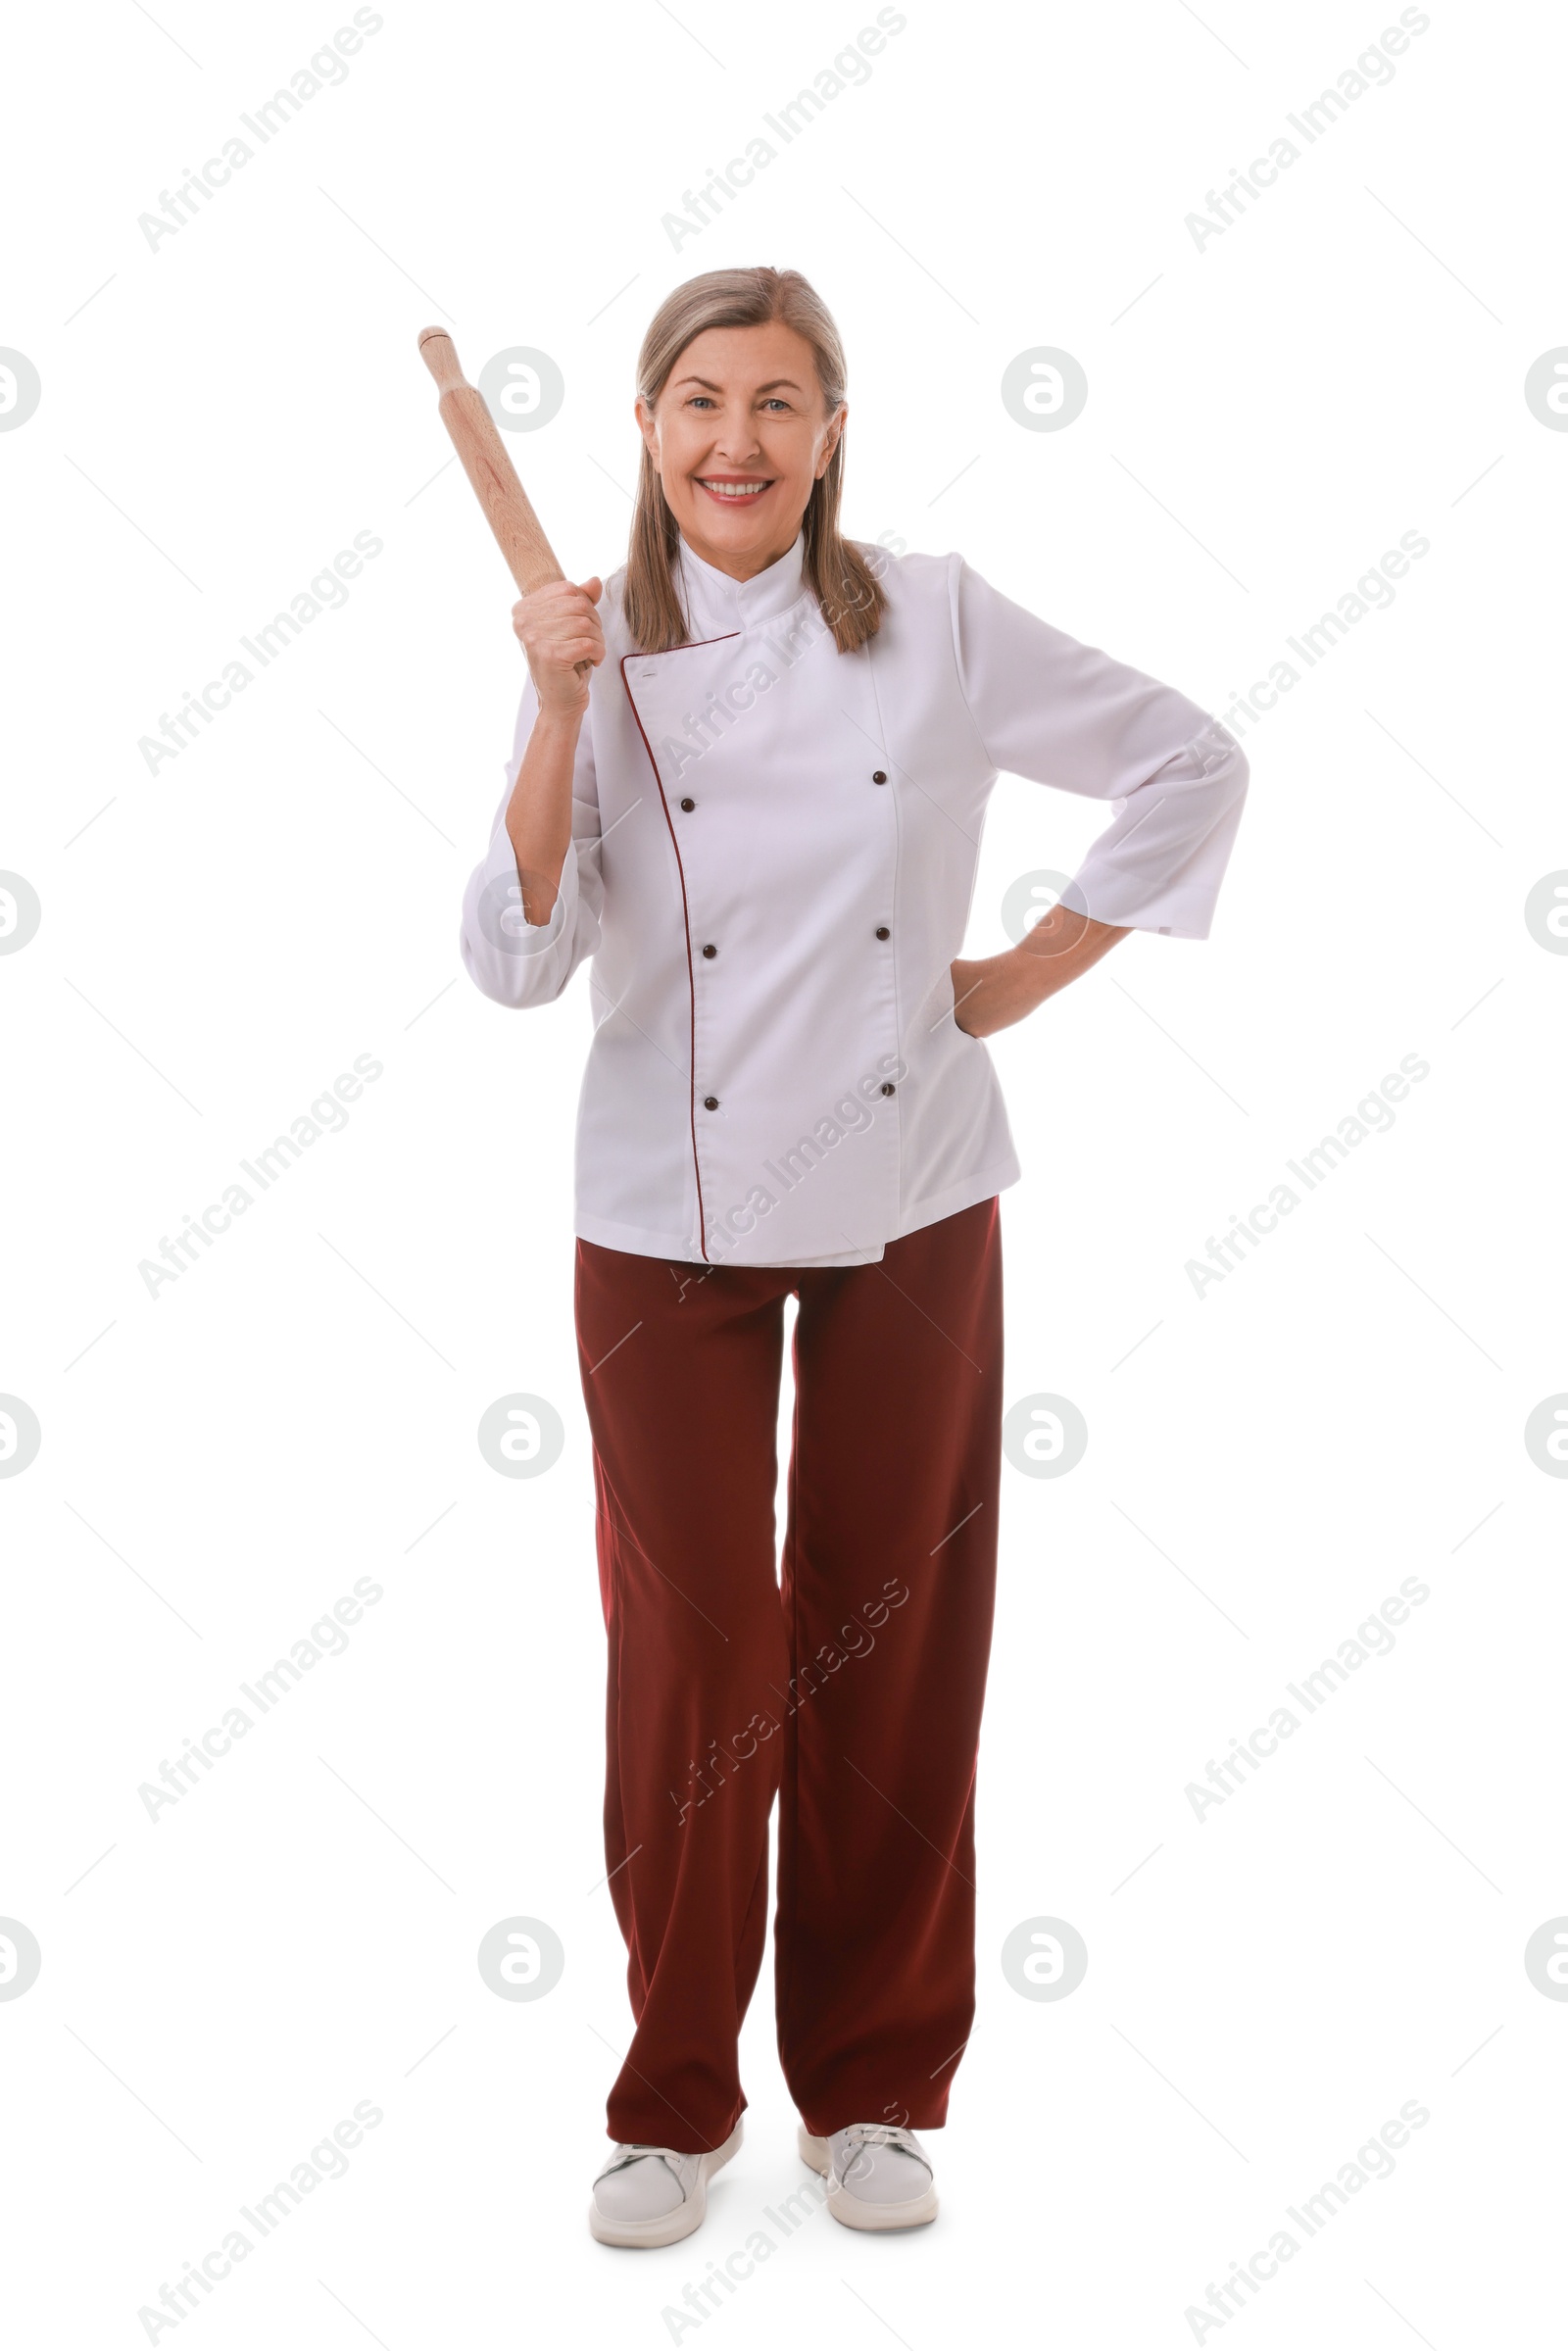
(737, 536)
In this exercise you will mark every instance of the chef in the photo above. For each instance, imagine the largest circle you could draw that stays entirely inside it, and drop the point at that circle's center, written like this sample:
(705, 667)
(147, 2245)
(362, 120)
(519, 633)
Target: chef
(748, 786)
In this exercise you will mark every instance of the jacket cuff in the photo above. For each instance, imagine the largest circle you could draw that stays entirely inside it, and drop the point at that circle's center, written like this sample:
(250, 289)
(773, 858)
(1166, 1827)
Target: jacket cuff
(499, 918)
(1160, 867)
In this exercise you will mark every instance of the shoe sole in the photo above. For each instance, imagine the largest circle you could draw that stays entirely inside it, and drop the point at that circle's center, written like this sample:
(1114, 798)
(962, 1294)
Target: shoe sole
(668, 2227)
(854, 2211)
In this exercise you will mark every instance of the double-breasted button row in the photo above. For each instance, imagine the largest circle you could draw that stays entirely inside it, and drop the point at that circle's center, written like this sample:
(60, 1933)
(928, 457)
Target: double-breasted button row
(710, 1101)
(879, 776)
(882, 932)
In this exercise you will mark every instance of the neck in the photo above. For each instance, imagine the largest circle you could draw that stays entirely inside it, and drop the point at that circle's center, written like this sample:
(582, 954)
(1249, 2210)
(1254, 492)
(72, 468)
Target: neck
(742, 566)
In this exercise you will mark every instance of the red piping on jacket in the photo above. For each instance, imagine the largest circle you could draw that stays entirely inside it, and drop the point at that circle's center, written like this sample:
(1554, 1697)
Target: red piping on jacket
(685, 913)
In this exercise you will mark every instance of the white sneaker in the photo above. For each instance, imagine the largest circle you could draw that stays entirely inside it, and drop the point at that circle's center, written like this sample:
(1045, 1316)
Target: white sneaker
(879, 2177)
(652, 2195)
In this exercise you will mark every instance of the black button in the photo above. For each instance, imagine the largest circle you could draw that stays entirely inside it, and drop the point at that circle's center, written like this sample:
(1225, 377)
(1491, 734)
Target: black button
(880, 777)
(709, 951)
(688, 803)
(710, 1101)
(883, 932)
(889, 1089)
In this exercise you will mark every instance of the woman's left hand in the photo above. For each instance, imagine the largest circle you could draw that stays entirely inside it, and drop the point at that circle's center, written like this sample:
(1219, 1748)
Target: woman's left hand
(995, 991)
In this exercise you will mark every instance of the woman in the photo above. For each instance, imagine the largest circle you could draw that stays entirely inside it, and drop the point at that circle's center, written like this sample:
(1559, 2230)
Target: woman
(751, 790)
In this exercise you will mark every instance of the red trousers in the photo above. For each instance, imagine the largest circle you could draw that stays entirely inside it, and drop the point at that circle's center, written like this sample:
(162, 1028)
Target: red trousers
(851, 1685)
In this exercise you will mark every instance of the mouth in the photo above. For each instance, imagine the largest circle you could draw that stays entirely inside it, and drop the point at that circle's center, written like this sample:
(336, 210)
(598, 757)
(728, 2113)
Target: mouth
(735, 489)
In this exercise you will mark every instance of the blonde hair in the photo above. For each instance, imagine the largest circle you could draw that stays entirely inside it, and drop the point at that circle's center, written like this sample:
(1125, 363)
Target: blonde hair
(844, 585)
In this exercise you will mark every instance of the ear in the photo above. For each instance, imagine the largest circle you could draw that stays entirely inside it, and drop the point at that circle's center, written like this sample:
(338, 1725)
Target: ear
(645, 425)
(835, 433)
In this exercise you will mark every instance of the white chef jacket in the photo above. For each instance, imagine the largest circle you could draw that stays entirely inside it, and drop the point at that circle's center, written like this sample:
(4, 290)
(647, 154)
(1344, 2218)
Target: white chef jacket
(772, 860)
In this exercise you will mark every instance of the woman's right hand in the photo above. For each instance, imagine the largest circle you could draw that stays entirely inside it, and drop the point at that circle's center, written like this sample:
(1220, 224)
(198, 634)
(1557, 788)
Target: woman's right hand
(558, 627)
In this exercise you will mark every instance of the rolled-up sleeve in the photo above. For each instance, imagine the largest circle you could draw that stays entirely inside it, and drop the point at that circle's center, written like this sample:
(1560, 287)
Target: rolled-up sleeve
(1059, 713)
(515, 961)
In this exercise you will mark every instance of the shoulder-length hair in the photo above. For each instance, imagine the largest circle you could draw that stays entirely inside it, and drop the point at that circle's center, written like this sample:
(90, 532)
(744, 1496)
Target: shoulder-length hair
(846, 587)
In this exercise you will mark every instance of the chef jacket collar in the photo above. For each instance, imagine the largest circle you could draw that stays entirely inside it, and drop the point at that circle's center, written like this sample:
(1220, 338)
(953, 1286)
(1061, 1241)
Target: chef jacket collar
(716, 605)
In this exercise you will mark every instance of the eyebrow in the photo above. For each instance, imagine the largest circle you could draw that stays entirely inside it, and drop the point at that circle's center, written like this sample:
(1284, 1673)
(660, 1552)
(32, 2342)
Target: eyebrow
(777, 382)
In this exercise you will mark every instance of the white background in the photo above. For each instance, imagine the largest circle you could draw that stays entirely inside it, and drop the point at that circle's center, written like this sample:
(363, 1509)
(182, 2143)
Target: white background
(1267, 415)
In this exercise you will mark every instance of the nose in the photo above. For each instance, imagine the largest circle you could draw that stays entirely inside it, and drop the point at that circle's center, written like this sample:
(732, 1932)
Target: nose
(736, 438)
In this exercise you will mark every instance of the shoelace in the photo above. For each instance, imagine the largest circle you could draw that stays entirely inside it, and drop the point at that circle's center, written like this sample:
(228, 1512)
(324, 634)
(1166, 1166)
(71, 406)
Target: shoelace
(859, 2136)
(632, 2151)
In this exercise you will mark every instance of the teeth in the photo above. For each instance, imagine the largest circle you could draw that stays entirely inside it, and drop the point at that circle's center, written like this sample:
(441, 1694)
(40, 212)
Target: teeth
(735, 489)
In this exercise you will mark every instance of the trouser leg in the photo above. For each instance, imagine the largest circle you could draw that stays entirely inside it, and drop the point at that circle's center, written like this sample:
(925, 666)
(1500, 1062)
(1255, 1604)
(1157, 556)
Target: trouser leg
(680, 1373)
(888, 1590)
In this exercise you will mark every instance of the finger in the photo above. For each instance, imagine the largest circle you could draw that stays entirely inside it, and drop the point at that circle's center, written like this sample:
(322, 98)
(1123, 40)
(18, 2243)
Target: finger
(552, 602)
(563, 644)
(567, 656)
(574, 617)
(573, 625)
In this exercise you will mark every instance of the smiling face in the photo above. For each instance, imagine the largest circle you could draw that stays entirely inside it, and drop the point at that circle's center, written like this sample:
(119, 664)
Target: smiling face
(739, 434)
